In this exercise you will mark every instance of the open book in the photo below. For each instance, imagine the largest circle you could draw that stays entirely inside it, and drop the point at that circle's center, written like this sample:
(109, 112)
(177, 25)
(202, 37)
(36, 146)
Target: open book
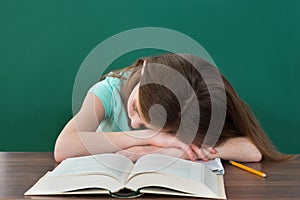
(113, 174)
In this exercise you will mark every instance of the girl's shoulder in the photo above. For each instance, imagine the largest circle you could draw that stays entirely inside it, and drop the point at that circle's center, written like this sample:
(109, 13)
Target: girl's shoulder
(116, 80)
(112, 81)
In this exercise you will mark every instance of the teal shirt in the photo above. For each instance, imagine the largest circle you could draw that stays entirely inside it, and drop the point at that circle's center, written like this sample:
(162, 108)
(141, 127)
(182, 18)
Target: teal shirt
(109, 93)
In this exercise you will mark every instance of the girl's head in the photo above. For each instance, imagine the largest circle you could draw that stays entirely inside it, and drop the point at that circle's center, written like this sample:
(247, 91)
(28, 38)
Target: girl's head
(152, 104)
(166, 90)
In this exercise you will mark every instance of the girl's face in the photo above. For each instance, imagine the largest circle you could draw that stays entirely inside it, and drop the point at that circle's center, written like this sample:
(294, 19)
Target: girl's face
(133, 110)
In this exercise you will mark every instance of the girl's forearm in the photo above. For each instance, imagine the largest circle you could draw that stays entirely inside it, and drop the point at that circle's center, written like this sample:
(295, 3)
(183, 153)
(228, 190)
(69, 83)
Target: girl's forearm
(74, 144)
(238, 149)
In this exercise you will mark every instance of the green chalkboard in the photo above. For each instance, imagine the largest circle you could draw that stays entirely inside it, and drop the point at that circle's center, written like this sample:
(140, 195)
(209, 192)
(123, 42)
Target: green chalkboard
(43, 43)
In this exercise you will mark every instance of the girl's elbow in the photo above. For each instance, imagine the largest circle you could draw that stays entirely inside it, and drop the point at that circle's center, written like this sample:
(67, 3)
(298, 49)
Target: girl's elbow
(255, 157)
(254, 154)
(60, 149)
(59, 152)
(59, 156)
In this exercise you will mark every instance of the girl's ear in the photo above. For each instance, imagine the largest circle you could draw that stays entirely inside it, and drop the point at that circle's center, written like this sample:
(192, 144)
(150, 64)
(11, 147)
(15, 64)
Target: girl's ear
(143, 68)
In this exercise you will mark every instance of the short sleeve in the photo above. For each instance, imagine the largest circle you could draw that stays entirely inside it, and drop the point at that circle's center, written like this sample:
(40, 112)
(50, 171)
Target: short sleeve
(109, 93)
(104, 91)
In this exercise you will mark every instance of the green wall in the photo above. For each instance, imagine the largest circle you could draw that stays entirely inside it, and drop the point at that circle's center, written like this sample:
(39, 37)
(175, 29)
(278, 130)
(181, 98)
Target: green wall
(255, 43)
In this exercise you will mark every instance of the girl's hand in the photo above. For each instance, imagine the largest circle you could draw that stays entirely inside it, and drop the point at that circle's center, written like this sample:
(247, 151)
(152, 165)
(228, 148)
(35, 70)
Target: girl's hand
(135, 152)
(167, 140)
(203, 153)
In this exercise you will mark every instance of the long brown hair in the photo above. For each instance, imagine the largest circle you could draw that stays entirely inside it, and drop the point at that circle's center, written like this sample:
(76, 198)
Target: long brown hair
(239, 120)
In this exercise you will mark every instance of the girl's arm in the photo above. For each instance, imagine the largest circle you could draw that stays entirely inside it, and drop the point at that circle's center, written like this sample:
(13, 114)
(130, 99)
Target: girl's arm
(135, 152)
(78, 138)
(238, 149)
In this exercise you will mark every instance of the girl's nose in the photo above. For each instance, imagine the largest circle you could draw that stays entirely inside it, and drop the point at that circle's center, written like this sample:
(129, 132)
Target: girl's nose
(136, 122)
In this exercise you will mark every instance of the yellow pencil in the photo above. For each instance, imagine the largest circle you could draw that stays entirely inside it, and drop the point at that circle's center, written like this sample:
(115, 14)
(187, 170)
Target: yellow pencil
(261, 174)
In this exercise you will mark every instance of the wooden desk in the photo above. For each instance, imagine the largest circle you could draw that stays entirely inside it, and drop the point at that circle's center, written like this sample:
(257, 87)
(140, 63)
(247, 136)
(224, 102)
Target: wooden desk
(19, 171)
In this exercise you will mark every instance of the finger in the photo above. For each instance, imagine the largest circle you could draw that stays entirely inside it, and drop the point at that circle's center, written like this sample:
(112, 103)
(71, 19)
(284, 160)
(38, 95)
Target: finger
(199, 153)
(188, 150)
(211, 150)
(190, 154)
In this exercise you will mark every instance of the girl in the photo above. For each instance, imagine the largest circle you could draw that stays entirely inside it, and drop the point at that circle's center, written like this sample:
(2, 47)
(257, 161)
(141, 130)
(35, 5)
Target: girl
(131, 113)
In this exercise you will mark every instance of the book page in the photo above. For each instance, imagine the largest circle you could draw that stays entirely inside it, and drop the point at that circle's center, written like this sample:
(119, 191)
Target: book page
(160, 170)
(160, 163)
(57, 185)
(114, 165)
(215, 166)
(161, 190)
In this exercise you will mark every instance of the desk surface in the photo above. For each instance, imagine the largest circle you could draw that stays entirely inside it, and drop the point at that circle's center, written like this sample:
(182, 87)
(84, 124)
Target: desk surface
(19, 171)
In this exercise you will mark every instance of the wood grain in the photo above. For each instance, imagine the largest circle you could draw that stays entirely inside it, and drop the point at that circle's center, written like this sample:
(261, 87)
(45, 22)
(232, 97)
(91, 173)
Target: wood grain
(19, 171)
